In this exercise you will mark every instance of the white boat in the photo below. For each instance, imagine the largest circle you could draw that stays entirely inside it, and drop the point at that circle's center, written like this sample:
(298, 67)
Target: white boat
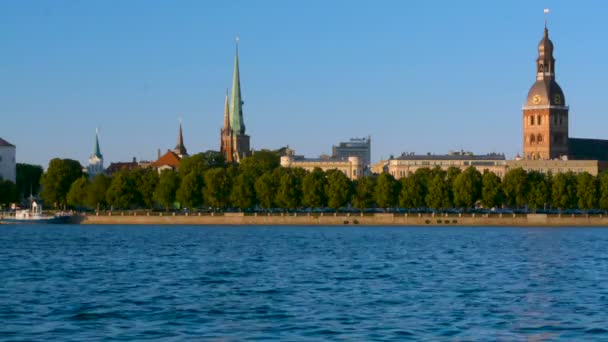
(35, 215)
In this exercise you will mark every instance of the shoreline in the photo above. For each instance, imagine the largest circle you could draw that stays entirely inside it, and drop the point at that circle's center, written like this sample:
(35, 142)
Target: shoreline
(241, 219)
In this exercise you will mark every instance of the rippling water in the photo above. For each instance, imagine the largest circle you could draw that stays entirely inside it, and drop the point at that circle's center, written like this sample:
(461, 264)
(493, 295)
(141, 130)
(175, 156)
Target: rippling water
(302, 283)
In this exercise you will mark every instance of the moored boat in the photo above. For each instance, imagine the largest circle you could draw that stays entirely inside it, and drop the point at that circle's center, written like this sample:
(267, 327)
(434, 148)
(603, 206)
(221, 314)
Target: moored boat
(35, 215)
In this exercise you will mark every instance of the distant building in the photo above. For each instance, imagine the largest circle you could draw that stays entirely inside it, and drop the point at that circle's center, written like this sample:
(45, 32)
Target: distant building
(168, 161)
(352, 167)
(171, 159)
(555, 166)
(95, 166)
(234, 143)
(408, 163)
(123, 166)
(8, 165)
(356, 147)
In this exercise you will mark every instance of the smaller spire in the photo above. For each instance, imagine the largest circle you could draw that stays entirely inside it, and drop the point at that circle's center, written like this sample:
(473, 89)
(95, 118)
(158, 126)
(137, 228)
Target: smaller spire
(97, 151)
(180, 149)
(227, 112)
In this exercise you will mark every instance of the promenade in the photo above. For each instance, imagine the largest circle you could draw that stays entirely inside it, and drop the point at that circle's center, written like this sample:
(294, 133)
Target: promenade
(304, 219)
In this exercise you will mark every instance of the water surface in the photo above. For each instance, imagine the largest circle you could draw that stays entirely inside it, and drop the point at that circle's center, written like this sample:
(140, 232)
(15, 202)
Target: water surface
(75, 283)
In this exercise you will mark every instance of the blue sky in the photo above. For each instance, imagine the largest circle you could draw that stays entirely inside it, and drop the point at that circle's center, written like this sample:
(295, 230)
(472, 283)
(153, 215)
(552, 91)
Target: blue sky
(418, 76)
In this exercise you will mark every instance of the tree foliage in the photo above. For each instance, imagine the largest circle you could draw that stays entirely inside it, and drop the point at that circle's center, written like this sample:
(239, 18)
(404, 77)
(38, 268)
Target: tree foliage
(313, 189)
(76, 197)
(339, 189)
(167, 186)
(387, 190)
(363, 196)
(28, 179)
(58, 179)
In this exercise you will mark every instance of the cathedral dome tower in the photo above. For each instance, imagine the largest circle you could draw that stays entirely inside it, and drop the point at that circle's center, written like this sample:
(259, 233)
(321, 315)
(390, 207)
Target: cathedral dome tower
(545, 113)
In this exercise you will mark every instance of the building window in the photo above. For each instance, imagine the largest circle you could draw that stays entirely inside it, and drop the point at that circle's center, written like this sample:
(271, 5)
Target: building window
(539, 139)
(532, 139)
(538, 120)
(532, 120)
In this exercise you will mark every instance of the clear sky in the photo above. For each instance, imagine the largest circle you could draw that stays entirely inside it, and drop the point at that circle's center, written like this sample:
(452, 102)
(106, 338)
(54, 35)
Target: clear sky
(418, 76)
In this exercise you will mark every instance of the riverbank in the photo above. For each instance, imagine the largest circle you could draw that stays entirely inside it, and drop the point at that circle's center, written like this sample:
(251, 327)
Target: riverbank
(132, 218)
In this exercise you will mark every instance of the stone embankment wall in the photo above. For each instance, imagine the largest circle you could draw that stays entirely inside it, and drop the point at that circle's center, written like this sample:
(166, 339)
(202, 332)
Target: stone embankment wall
(344, 219)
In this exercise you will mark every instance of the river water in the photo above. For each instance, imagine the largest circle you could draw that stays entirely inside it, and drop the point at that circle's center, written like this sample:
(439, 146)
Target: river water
(76, 283)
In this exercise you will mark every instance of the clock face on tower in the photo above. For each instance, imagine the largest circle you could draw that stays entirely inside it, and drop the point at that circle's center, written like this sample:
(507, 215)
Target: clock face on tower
(536, 99)
(557, 99)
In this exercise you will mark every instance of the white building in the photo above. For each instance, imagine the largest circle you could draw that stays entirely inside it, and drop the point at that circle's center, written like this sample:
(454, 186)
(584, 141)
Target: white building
(95, 166)
(8, 165)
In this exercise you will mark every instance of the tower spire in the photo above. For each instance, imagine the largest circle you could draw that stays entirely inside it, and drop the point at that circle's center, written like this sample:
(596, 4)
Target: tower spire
(236, 106)
(97, 150)
(227, 113)
(180, 148)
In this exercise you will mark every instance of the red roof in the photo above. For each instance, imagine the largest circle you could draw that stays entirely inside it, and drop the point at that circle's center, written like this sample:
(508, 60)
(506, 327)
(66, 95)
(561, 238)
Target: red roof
(168, 159)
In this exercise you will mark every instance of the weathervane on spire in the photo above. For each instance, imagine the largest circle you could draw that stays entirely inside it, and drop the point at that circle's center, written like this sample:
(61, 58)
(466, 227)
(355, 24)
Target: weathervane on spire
(546, 11)
(237, 39)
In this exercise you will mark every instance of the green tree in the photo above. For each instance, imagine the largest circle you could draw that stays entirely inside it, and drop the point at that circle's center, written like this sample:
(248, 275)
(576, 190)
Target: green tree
(587, 191)
(564, 190)
(515, 186)
(167, 186)
(260, 162)
(78, 192)
(539, 190)
(313, 189)
(201, 162)
(339, 189)
(451, 174)
(603, 190)
(96, 191)
(266, 187)
(122, 191)
(28, 179)
(364, 192)
(217, 188)
(414, 189)
(491, 190)
(289, 193)
(467, 188)
(387, 190)
(190, 192)
(438, 195)
(243, 191)
(8, 192)
(58, 179)
(145, 181)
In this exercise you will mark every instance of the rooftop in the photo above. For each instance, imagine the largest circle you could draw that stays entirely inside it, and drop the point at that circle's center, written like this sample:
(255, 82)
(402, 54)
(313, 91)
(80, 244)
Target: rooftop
(459, 155)
(5, 143)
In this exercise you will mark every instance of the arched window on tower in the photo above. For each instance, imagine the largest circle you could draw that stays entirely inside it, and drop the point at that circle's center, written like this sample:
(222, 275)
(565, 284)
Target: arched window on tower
(539, 139)
(540, 68)
(532, 120)
(539, 120)
(532, 139)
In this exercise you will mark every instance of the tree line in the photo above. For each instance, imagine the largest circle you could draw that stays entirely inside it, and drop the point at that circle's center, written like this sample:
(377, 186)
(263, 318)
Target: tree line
(258, 182)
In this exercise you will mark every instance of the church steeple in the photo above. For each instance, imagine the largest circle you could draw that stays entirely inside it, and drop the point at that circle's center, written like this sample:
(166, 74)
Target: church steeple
(97, 150)
(226, 113)
(95, 166)
(180, 148)
(545, 64)
(236, 107)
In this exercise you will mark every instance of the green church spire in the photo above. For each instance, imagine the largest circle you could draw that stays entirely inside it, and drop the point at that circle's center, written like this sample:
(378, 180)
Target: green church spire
(236, 105)
(97, 151)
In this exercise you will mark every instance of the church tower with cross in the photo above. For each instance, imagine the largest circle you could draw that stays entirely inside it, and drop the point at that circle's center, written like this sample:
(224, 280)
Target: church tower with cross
(545, 113)
(234, 143)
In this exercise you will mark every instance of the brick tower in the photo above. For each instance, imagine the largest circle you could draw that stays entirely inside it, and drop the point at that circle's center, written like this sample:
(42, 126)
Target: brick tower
(545, 114)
